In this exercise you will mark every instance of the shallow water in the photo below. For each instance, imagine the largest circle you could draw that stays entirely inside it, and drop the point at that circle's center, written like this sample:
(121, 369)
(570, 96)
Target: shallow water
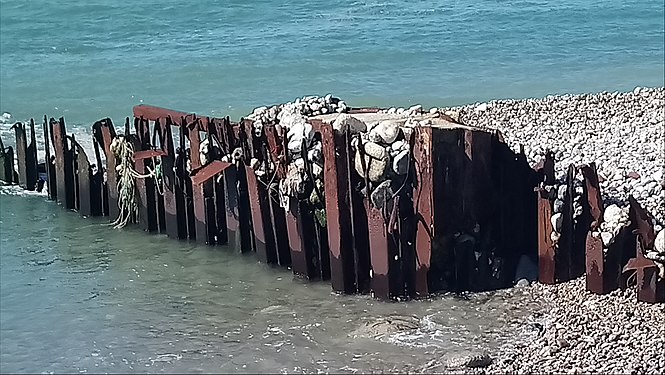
(78, 296)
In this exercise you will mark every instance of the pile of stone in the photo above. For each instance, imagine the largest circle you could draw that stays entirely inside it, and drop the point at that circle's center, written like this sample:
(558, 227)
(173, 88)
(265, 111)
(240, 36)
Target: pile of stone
(306, 106)
(615, 218)
(557, 194)
(381, 155)
(304, 169)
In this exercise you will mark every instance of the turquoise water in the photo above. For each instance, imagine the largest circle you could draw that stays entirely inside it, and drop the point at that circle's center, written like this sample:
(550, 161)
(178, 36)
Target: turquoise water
(90, 59)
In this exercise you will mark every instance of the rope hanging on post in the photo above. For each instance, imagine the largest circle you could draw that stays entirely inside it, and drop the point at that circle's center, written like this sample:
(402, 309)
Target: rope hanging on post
(123, 151)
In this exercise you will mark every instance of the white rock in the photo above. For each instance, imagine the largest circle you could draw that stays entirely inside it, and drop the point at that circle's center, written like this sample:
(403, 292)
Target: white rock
(659, 243)
(317, 170)
(374, 150)
(481, 107)
(612, 214)
(557, 220)
(345, 122)
(387, 130)
(401, 163)
(607, 238)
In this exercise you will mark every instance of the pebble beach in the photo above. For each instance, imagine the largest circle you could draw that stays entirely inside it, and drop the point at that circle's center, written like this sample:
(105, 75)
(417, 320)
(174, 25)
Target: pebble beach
(577, 331)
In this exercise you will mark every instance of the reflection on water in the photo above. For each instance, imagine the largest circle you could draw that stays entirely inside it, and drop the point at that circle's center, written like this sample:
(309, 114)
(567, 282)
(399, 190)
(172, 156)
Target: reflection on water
(78, 296)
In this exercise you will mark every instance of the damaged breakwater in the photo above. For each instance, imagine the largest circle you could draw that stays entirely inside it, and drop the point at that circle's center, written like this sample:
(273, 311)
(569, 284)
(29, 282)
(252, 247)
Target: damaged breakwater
(261, 184)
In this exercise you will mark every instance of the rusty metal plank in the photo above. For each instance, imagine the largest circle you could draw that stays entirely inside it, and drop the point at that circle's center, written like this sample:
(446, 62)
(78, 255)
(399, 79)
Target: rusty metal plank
(256, 202)
(338, 209)
(592, 191)
(85, 206)
(232, 211)
(208, 171)
(21, 155)
(7, 173)
(599, 278)
(546, 249)
(300, 262)
(423, 200)
(566, 245)
(275, 152)
(104, 132)
(649, 287)
(148, 154)
(63, 164)
(50, 167)
(379, 253)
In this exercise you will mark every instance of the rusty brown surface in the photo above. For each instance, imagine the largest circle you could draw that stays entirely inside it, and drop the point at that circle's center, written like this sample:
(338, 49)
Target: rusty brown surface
(299, 262)
(63, 164)
(566, 246)
(263, 244)
(594, 199)
(379, 253)
(649, 287)
(423, 202)
(338, 214)
(21, 154)
(104, 132)
(277, 239)
(642, 222)
(257, 203)
(85, 198)
(597, 271)
(7, 173)
(546, 248)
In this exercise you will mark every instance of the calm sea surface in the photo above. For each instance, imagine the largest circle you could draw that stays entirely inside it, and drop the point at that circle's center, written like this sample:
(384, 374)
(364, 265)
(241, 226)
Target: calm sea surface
(77, 296)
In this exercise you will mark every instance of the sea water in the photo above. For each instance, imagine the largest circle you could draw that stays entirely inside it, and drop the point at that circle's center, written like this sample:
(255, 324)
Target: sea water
(78, 296)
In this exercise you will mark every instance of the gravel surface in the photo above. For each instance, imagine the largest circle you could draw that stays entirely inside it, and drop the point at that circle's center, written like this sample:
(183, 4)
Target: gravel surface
(581, 332)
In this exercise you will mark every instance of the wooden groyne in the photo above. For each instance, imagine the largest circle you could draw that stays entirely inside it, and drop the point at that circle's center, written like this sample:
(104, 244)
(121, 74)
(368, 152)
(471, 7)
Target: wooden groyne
(461, 215)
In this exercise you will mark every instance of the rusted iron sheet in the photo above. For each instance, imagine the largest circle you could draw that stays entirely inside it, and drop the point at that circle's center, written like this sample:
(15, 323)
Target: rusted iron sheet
(232, 211)
(379, 244)
(209, 171)
(649, 287)
(26, 155)
(7, 173)
(198, 195)
(148, 154)
(338, 209)
(89, 204)
(174, 203)
(277, 236)
(264, 243)
(423, 201)
(594, 199)
(258, 202)
(599, 279)
(300, 261)
(50, 167)
(63, 164)
(104, 133)
(147, 218)
(566, 246)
